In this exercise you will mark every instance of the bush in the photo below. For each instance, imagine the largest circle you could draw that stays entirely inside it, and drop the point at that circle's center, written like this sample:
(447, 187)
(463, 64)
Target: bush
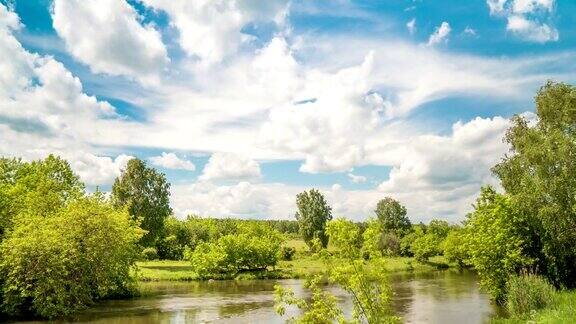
(527, 293)
(455, 247)
(254, 248)
(53, 266)
(150, 253)
(425, 246)
(287, 253)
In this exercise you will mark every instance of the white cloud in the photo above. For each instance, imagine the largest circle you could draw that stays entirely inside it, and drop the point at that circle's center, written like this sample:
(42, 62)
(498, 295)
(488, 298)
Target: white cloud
(172, 161)
(440, 34)
(357, 178)
(227, 166)
(329, 128)
(44, 110)
(212, 29)
(527, 19)
(97, 170)
(442, 174)
(108, 36)
(531, 30)
(434, 176)
(470, 31)
(411, 25)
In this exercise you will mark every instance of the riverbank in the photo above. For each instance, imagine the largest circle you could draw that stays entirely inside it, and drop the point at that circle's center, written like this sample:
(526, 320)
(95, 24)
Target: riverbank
(300, 267)
(562, 310)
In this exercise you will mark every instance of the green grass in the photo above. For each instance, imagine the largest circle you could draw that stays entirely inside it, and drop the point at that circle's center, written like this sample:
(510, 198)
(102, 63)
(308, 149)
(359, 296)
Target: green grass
(561, 311)
(300, 267)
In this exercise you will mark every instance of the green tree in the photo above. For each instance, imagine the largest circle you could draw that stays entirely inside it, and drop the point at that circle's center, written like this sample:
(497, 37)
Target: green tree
(53, 266)
(496, 241)
(312, 215)
(345, 236)
(392, 216)
(539, 177)
(40, 187)
(454, 247)
(146, 194)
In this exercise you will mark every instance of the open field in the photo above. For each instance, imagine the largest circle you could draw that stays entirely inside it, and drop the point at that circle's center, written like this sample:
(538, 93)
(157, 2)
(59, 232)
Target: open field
(302, 265)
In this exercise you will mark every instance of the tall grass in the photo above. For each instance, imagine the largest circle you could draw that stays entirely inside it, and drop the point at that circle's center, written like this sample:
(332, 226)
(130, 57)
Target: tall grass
(527, 293)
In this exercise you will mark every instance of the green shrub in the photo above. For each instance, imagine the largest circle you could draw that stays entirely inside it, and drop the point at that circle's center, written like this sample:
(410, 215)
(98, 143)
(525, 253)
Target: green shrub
(150, 253)
(254, 248)
(287, 253)
(425, 246)
(455, 247)
(53, 266)
(527, 293)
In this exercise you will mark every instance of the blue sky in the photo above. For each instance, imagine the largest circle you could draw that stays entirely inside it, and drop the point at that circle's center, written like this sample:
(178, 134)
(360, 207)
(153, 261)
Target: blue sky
(243, 104)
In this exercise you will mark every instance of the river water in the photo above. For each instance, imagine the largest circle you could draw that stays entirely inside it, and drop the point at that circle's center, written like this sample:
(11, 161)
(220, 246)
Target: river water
(435, 297)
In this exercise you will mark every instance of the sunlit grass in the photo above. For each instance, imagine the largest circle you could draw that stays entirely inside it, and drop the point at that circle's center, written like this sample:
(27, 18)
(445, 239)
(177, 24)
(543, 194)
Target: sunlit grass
(304, 263)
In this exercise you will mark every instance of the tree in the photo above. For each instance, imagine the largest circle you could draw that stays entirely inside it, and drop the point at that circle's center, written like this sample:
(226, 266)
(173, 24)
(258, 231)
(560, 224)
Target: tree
(312, 215)
(53, 266)
(539, 178)
(454, 247)
(496, 241)
(40, 187)
(392, 216)
(345, 236)
(146, 194)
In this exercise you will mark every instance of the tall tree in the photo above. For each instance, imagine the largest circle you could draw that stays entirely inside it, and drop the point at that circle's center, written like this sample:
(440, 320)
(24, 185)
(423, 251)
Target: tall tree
(146, 194)
(539, 175)
(40, 187)
(392, 216)
(312, 215)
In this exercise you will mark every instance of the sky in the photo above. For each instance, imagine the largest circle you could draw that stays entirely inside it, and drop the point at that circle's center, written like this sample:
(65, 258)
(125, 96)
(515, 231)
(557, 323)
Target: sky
(245, 103)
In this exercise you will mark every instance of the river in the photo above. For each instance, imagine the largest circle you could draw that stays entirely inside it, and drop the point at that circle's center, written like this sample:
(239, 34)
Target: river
(434, 297)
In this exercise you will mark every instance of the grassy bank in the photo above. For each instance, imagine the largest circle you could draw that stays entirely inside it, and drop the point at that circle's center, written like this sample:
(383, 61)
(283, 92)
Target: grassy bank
(302, 265)
(562, 310)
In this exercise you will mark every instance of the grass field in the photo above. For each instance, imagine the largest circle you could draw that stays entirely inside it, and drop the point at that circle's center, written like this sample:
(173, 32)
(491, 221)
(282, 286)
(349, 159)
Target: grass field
(302, 265)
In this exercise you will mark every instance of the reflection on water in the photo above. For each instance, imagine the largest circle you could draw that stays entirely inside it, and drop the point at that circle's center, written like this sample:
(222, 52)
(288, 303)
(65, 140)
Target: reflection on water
(437, 297)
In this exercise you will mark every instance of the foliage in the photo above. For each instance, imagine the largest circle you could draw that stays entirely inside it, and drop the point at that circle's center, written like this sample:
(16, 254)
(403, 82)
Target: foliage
(455, 247)
(255, 247)
(390, 244)
(146, 194)
(312, 215)
(527, 293)
(369, 288)
(39, 187)
(56, 265)
(372, 235)
(345, 236)
(425, 246)
(149, 253)
(287, 253)
(322, 307)
(392, 216)
(495, 241)
(538, 176)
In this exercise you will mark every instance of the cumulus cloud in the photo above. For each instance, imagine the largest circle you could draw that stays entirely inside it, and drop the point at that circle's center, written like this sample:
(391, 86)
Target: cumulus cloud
(440, 34)
(527, 19)
(107, 35)
(328, 128)
(227, 166)
(212, 29)
(172, 161)
(357, 178)
(446, 172)
(44, 110)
